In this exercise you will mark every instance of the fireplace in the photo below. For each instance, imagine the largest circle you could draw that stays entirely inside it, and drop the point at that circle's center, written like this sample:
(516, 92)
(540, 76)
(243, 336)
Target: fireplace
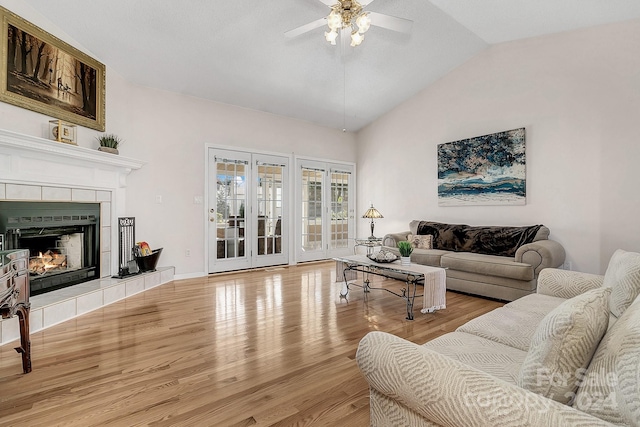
(62, 238)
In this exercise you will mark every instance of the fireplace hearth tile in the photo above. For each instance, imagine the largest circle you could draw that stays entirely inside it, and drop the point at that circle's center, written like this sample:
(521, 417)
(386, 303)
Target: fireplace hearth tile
(151, 281)
(115, 293)
(166, 275)
(89, 302)
(135, 286)
(35, 320)
(57, 313)
(10, 329)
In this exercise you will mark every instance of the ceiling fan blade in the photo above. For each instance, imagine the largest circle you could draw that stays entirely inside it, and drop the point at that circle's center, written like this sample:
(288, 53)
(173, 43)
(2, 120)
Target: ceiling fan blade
(306, 28)
(364, 2)
(329, 2)
(391, 22)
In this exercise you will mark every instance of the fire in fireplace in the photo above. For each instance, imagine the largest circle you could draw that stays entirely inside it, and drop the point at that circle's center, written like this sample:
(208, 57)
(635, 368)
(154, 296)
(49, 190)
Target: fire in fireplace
(47, 263)
(62, 239)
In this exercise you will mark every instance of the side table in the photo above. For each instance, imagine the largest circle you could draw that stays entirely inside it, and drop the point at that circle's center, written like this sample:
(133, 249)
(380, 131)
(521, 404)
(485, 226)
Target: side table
(368, 242)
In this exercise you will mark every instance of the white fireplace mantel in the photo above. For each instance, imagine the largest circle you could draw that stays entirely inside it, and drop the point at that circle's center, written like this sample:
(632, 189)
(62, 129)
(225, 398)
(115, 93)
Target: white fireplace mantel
(15, 148)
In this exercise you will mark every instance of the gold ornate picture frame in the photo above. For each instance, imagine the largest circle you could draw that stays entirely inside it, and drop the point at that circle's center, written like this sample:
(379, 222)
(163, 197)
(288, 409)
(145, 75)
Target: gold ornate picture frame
(42, 73)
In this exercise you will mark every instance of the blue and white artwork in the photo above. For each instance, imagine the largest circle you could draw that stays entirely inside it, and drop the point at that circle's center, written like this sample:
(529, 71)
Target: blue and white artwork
(485, 170)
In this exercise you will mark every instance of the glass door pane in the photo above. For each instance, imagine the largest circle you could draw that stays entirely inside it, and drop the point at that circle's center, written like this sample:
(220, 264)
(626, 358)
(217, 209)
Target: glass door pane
(269, 199)
(339, 210)
(230, 207)
(311, 209)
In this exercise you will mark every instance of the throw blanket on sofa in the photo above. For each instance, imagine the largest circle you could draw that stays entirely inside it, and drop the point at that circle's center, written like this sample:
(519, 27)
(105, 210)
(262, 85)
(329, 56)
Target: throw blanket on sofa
(503, 241)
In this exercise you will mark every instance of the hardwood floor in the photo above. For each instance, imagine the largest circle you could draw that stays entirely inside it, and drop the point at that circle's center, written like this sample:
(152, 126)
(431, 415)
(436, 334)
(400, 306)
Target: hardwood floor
(269, 347)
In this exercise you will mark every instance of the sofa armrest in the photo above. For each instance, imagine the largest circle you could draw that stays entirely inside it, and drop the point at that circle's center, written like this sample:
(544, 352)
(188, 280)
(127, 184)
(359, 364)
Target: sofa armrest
(541, 254)
(567, 284)
(393, 238)
(428, 388)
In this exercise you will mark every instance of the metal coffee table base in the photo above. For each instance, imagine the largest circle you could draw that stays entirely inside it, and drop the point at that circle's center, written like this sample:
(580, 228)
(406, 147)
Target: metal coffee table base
(408, 293)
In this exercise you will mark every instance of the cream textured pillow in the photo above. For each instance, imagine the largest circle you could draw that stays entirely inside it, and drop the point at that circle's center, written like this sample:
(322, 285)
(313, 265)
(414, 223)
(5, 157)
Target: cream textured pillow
(611, 386)
(419, 241)
(563, 345)
(623, 277)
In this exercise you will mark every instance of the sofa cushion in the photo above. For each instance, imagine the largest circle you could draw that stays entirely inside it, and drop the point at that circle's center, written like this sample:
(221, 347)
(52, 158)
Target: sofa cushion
(611, 386)
(536, 303)
(623, 277)
(506, 326)
(489, 265)
(420, 241)
(497, 359)
(563, 345)
(503, 241)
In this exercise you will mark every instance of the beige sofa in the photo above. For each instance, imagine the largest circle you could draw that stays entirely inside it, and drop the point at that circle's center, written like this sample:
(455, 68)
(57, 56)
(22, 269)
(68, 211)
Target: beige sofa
(496, 276)
(568, 355)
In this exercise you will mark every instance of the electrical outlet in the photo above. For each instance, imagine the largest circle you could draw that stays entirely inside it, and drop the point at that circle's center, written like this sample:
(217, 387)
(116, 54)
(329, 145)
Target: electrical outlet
(187, 253)
(566, 265)
(158, 199)
(197, 200)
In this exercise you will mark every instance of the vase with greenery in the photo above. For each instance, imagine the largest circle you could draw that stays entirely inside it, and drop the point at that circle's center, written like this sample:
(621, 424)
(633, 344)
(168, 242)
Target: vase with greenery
(405, 250)
(109, 143)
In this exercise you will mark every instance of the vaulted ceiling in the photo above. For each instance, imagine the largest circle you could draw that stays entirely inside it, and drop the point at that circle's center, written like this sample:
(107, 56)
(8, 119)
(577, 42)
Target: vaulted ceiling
(235, 52)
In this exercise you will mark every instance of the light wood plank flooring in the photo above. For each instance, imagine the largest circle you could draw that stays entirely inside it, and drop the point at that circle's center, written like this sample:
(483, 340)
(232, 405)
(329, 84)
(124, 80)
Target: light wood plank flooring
(269, 347)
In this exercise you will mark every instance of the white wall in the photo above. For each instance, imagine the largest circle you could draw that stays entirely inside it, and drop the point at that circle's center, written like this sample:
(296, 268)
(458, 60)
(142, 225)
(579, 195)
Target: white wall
(170, 131)
(578, 96)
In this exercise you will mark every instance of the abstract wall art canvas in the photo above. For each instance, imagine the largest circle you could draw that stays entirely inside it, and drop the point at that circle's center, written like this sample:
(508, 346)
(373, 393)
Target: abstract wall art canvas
(484, 170)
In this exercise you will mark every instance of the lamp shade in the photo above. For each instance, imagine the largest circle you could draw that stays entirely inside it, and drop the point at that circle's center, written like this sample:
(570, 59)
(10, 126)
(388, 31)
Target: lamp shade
(372, 213)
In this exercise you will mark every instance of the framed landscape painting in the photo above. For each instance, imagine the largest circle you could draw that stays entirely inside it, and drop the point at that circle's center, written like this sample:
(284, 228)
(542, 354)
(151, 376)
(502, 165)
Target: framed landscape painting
(485, 170)
(42, 73)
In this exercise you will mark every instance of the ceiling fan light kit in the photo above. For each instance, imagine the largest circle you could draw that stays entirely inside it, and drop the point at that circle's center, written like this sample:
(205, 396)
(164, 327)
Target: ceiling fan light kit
(347, 14)
(347, 18)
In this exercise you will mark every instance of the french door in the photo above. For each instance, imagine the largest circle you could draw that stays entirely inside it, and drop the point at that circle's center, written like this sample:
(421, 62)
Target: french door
(247, 210)
(325, 206)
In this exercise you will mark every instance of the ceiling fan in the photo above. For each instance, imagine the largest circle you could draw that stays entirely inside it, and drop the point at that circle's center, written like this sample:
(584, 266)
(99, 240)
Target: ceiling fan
(349, 18)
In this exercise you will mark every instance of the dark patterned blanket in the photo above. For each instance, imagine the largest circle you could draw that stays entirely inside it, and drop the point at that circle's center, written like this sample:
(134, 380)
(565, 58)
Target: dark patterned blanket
(503, 241)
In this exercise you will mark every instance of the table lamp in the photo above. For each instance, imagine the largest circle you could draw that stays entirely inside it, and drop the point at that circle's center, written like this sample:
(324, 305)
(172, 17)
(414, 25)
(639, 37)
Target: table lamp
(373, 214)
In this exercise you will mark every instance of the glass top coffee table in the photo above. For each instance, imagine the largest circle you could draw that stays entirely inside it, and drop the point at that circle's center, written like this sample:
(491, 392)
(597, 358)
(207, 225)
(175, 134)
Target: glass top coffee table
(432, 278)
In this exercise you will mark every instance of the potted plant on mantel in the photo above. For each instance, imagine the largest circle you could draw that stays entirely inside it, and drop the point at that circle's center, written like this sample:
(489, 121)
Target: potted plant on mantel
(405, 250)
(109, 143)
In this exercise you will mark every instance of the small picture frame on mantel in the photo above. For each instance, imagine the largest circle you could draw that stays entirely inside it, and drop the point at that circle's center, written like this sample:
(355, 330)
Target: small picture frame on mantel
(62, 131)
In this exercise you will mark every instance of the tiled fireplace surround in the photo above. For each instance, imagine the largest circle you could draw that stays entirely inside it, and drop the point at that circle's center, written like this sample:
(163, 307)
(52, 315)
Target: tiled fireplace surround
(36, 169)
